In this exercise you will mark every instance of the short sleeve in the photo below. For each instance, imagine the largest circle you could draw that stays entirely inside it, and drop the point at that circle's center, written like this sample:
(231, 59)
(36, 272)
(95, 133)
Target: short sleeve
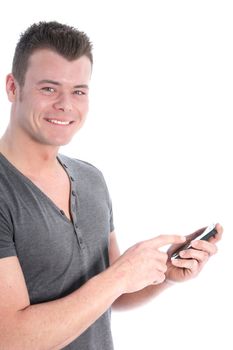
(7, 246)
(111, 215)
(109, 200)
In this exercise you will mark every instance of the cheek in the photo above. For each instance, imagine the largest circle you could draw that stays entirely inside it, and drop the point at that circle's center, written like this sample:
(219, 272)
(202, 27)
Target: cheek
(83, 107)
(33, 106)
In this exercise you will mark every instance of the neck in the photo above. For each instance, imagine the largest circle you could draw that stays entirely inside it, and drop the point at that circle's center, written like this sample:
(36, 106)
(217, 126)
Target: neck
(27, 155)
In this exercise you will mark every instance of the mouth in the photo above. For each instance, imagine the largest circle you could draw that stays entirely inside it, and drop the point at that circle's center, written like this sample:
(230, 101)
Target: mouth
(60, 122)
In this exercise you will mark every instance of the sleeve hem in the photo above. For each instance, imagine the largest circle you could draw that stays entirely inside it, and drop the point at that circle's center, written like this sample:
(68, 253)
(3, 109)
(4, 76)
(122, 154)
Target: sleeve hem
(4, 253)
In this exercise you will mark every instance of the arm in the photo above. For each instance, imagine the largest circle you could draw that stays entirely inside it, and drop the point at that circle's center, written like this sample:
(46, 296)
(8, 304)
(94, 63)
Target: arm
(52, 325)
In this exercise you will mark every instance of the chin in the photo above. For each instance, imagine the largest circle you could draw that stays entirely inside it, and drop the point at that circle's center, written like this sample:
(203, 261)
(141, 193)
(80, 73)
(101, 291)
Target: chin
(62, 142)
(59, 144)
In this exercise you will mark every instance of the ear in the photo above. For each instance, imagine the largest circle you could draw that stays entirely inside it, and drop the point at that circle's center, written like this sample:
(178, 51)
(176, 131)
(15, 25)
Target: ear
(11, 87)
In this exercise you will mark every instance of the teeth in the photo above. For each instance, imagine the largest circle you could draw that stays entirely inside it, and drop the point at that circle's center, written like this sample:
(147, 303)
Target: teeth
(54, 121)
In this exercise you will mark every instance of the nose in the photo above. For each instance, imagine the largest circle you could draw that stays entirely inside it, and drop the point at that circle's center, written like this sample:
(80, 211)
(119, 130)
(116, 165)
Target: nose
(63, 103)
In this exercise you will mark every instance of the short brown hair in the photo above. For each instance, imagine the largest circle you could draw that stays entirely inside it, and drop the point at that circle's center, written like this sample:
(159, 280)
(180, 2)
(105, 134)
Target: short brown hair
(67, 41)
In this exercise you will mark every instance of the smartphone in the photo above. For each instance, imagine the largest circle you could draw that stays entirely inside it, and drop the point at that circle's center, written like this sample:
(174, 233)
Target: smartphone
(205, 235)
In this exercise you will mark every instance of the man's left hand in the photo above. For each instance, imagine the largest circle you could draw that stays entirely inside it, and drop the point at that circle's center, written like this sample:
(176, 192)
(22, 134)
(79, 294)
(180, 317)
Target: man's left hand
(192, 260)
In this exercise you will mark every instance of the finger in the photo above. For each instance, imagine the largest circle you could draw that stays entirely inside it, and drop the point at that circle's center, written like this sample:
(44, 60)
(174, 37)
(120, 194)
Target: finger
(219, 228)
(198, 255)
(190, 264)
(218, 235)
(162, 240)
(205, 246)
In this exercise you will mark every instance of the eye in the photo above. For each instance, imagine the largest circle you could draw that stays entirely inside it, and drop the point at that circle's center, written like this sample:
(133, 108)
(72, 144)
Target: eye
(48, 89)
(79, 93)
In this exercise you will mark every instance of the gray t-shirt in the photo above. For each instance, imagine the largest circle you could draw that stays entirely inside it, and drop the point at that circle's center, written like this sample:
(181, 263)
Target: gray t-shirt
(57, 255)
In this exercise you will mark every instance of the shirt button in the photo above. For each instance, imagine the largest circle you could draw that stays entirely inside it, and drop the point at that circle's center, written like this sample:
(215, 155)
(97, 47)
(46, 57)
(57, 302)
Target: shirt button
(71, 178)
(80, 240)
(62, 212)
(65, 165)
(73, 193)
(76, 225)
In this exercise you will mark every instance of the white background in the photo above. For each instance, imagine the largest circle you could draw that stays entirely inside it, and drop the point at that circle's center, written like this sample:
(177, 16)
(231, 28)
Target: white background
(160, 129)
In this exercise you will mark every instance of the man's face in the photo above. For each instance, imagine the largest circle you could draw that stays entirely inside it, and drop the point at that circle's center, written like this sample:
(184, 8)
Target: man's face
(53, 103)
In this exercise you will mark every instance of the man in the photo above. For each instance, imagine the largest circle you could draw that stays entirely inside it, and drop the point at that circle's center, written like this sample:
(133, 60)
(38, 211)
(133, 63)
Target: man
(60, 266)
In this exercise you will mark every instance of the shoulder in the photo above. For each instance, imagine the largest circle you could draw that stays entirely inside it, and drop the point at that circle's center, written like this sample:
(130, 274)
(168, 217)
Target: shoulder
(81, 168)
(88, 176)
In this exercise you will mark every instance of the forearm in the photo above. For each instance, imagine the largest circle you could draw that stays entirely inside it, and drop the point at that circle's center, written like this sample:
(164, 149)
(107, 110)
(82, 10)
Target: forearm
(136, 299)
(52, 325)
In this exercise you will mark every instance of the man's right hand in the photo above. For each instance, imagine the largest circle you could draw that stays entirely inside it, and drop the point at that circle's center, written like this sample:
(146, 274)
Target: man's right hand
(144, 264)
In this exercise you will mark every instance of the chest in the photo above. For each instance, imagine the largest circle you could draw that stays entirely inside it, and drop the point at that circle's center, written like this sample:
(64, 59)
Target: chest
(57, 189)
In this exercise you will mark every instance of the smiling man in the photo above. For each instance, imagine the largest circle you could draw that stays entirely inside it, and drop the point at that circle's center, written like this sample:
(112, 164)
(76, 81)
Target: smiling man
(60, 267)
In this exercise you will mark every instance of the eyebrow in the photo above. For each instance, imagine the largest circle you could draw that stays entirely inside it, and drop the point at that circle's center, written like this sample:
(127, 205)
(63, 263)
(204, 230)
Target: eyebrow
(48, 81)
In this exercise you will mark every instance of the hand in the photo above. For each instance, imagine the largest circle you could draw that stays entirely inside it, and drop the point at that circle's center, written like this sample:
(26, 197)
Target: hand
(192, 260)
(143, 264)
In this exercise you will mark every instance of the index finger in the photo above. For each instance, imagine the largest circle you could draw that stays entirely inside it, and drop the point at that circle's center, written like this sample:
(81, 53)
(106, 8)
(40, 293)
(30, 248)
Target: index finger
(162, 240)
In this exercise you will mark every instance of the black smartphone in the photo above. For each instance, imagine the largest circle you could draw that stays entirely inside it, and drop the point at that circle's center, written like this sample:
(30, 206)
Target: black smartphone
(205, 235)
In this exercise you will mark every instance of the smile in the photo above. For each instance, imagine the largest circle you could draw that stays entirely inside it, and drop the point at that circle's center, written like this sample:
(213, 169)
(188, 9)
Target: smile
(59, 122)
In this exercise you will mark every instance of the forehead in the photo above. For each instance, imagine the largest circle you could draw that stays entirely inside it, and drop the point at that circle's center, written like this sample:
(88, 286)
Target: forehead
(47, 64)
